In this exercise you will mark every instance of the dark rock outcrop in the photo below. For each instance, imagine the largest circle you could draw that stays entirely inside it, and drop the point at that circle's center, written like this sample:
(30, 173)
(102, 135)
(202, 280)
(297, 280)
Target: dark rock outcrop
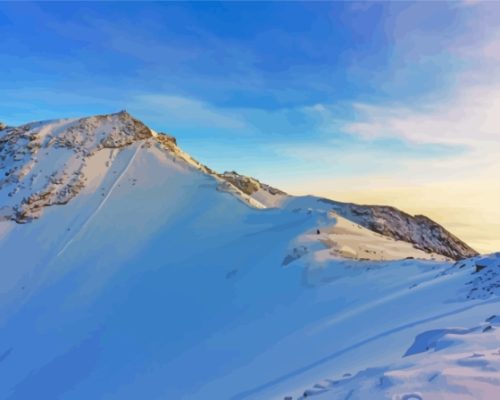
(248, 185)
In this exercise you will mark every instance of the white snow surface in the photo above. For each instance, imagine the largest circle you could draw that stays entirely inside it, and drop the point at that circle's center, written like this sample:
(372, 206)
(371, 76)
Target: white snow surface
(159, 279)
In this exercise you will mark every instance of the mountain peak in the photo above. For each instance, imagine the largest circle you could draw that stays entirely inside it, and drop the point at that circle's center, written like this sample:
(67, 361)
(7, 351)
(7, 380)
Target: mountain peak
(44, 163)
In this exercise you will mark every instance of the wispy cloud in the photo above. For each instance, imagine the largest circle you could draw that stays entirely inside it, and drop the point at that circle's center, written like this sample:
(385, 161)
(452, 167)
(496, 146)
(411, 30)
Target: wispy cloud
(453, 138)
(471, 117)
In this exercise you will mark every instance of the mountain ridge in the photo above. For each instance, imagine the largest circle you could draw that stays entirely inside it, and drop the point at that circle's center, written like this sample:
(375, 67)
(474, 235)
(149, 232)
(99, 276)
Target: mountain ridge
(22, 151)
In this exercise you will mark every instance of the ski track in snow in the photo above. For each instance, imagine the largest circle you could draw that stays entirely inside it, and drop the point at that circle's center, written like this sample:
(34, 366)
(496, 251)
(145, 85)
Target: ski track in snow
(248, 394)
(101, 203)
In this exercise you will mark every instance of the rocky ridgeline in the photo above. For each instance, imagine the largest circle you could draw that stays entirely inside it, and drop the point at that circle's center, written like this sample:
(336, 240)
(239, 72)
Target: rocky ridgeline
(248, 185)
(89, 135)
(422, 232)
(169, 142)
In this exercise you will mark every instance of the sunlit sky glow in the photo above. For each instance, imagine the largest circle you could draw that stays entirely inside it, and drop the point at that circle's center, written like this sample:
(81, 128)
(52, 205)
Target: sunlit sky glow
(391, 103)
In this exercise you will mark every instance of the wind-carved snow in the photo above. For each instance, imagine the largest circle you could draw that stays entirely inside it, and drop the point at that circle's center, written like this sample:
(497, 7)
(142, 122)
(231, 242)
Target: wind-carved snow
(161, 278)
(452, 363)
(457, 362)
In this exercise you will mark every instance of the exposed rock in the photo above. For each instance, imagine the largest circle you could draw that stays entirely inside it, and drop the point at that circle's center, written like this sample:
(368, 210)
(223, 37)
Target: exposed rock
(296, 253)
(486, 278)
(167, 138)
(245, 184)
(248, 185)
(424, 233)
(167, 141)
(129, 131)
(480, 267)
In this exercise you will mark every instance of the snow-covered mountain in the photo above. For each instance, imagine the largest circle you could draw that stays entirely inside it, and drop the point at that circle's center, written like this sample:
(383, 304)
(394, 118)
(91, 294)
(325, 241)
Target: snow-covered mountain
(131, 271)
(420, 231)
(49, 163)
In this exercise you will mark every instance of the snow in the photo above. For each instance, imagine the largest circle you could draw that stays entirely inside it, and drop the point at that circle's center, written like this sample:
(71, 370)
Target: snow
(161, 279)
(458, 363)
(340, 238)
(422, 232)
(107, 192)
(265, 195)
(270, 200)
(43, 163)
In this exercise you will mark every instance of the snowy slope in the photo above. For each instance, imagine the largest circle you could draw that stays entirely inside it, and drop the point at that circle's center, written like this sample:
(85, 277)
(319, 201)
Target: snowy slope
(340, 238)
(160, 278)
(48, 163)
(460, 363)
(459, 359)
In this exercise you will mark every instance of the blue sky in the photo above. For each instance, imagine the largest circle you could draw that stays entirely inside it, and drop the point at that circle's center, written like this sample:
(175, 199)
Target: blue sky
(330, 98)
